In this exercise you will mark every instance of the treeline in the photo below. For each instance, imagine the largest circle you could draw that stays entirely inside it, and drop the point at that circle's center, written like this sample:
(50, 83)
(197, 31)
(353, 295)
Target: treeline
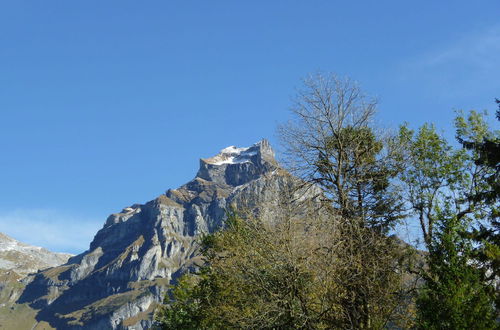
(330, 263)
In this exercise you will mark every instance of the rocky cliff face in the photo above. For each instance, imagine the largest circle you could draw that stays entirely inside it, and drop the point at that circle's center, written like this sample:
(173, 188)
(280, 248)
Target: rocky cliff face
(117, 283)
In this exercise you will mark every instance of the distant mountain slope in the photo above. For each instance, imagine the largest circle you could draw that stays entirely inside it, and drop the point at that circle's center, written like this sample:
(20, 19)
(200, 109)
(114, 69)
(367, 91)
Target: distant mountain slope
(118, 282)
(23, 258)
(16, 261)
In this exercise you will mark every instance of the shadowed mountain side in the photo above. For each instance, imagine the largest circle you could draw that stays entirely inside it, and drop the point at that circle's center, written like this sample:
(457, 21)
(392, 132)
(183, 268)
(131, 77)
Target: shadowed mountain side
(140, 250)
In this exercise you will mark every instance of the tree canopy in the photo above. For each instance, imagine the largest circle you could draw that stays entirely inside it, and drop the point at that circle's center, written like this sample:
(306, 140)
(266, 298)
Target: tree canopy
(332, 264)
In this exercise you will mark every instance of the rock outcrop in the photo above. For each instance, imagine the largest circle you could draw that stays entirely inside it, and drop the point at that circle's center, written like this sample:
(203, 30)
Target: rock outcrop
(117, 283)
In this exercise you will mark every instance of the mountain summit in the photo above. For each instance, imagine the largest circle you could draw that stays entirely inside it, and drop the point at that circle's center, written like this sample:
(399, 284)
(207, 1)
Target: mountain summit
(236, 166)
(118, 282)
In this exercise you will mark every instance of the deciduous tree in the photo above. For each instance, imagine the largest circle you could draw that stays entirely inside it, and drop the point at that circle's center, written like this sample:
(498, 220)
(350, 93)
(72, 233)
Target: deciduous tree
(294, 273)
(442, 183)
(331, 142)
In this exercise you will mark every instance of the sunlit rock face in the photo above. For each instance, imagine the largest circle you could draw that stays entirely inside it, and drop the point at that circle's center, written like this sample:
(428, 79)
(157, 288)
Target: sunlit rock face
(236, 166)
(121, 278)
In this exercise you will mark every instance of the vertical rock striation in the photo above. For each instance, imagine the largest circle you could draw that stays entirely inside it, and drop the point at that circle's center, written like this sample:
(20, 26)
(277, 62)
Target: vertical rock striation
(117, 283)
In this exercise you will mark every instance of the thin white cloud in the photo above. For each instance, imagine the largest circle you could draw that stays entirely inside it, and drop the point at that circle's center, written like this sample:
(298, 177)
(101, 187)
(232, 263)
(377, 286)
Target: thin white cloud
(469, 65)
(481, 50)
(52, 229)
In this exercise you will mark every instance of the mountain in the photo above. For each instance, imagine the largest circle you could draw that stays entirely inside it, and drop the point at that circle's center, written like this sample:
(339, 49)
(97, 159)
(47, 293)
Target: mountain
(17, 260)
(125, 273)
(23, 258)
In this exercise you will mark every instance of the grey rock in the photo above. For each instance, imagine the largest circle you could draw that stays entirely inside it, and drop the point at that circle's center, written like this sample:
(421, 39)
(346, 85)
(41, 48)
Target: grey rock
(141, 250)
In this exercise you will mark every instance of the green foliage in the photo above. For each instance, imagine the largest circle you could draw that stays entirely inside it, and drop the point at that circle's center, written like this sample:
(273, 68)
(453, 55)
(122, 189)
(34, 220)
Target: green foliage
(435, 174)
(445, 189)
(341, 271)
(332, 144)
(484, 146)
(292, 274)
(183, 311)
(454, 295)
(353, 165)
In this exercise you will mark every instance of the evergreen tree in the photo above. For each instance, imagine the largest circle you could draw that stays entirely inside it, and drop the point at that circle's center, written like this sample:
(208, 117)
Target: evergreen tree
(484, 146)
(332, 143)
(442, 184)
(454, 295)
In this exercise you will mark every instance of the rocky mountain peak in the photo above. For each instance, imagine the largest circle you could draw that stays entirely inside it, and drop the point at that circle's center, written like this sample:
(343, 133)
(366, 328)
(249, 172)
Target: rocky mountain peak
(140, 250)
(236, 166)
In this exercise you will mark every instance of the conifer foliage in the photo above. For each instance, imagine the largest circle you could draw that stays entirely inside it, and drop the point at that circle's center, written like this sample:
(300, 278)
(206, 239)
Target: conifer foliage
(327, 262)
(454, 295)
(447, 189)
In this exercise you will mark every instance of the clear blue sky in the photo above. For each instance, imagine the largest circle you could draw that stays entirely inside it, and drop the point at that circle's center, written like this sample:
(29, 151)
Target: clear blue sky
(108, 103)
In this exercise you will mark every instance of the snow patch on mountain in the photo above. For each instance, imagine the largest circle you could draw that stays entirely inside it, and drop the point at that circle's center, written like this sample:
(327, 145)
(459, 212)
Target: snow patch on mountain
(232, 155)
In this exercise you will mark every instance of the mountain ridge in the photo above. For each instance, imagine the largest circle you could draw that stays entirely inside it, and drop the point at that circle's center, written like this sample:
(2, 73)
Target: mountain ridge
(24, 258)
(140, 250)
